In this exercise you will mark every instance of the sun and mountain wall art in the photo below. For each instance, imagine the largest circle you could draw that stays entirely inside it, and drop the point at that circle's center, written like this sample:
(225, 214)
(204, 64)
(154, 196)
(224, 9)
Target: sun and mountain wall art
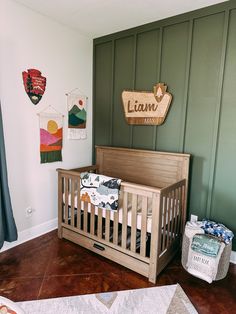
(77, 116)
(50, 137)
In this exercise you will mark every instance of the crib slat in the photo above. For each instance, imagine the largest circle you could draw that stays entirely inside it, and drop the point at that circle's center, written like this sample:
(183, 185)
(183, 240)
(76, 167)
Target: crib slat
(169, 210)
(66, 199)
(164, 223)
(78, 206)
(180, 222)
(144, 226)
(92, 219)
(183, 208)
(85, 217)
(173, 196)
(124, 220)
(72, 202)
(115, 227)
(178, 210)
(99, 234)
(107, 226)
(172, 215)
(134, 222)
(174, 220)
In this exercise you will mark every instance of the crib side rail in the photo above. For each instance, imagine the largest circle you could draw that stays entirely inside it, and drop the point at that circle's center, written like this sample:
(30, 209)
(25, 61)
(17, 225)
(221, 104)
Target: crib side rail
(139, 189)
(172, 214)
(77, 171)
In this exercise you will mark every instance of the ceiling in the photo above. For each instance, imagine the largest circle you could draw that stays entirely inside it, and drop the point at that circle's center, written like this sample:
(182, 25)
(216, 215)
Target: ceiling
(96, 18)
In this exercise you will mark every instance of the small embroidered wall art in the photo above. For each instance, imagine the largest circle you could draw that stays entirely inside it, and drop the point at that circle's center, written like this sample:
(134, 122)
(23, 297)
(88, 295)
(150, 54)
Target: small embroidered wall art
(77, 116)
(34, 84)
(51, 130)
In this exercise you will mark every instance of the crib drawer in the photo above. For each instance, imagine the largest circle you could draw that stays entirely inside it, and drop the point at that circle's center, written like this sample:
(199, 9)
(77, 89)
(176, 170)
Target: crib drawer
(108, 252)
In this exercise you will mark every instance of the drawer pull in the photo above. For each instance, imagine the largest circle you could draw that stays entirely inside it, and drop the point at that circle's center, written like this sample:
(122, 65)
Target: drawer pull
(99, 247)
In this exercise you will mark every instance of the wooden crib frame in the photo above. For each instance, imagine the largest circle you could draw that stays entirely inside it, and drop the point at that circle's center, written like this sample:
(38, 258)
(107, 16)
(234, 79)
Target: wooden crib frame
(156, 178)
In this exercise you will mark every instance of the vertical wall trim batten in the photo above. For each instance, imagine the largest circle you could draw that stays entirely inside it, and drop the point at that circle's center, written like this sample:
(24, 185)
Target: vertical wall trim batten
(186, 88)
(94, 104)
(158, 80)
(217, 115)
(112, 89)
(133, 85)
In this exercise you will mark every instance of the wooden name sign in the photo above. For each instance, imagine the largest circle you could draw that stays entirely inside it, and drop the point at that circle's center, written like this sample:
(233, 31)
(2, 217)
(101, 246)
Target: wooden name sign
(148, 108)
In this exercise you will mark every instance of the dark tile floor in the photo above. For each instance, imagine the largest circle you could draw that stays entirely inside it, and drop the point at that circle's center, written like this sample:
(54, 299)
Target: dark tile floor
(48, 267)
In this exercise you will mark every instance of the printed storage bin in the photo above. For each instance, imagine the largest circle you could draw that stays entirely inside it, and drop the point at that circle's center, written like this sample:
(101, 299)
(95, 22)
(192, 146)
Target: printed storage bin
(223, 265)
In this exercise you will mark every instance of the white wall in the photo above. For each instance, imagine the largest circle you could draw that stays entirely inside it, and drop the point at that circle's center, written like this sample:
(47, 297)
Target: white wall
(30, 40)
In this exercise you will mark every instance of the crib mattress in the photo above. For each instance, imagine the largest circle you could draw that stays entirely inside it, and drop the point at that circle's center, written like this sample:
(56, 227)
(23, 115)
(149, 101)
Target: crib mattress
(120, 214)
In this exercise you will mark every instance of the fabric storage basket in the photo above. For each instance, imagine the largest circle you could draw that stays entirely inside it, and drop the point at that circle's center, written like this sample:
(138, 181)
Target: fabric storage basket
(223, 263)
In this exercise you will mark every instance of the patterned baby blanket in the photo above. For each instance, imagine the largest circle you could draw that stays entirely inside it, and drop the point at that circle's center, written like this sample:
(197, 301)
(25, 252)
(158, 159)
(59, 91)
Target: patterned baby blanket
(217, 230)
(100, 190)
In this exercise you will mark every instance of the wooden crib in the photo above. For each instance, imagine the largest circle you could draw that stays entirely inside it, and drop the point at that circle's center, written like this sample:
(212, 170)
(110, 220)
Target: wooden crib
(145, 232)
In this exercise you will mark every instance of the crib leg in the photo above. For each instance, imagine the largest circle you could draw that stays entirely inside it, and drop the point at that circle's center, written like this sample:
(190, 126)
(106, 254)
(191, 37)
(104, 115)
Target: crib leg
(153, 271)
(154, 238)
(60, 202)
(153, 265)
(59, 232)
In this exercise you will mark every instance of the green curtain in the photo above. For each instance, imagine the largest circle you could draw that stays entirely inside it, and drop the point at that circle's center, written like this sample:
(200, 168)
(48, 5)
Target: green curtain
(8, 230)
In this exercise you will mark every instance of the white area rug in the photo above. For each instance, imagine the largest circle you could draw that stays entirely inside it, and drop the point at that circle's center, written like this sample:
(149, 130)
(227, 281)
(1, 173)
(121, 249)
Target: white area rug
(167, 299)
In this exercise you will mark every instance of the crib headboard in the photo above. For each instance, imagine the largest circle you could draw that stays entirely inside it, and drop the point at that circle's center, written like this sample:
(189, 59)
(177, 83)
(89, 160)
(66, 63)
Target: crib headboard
(145, 167)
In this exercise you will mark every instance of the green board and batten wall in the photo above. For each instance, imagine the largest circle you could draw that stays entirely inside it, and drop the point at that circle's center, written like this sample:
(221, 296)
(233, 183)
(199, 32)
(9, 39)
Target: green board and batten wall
(195, 55)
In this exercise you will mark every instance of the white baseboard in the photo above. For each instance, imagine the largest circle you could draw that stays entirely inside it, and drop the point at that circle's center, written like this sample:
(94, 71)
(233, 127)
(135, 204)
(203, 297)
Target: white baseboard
(233, 257)
(31, 233)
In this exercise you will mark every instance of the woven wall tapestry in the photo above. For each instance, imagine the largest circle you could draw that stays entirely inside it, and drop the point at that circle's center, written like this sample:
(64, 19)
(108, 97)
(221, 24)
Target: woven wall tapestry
(50, 136)
(77, 116)
(34, 84)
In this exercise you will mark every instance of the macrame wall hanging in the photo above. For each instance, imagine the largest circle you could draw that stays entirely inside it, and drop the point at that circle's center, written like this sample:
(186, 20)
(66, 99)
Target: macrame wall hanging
(51, 134)
(77, 115)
